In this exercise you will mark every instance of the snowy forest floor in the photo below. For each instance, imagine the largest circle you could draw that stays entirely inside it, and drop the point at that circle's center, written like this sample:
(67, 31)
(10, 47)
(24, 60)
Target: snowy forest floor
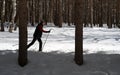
(101, 53)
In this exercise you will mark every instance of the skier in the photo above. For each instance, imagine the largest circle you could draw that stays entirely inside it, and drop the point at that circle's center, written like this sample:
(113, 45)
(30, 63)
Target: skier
(38, 34)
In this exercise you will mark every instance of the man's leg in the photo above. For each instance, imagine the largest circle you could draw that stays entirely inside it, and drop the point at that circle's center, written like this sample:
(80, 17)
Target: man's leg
(40, 44)
(33, 41)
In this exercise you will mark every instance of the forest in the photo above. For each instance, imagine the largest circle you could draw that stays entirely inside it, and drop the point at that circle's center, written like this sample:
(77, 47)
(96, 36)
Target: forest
(80, 13)
(18, 13)
(95, 12)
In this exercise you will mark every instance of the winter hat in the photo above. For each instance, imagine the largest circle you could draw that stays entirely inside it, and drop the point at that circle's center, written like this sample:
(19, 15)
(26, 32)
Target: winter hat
(41, 22)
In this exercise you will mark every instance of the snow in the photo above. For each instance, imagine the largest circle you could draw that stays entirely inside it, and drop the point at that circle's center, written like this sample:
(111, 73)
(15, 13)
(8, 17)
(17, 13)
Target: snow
(101, 53)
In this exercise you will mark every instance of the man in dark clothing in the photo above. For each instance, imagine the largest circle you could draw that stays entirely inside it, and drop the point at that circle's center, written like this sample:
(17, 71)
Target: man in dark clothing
(38, 34)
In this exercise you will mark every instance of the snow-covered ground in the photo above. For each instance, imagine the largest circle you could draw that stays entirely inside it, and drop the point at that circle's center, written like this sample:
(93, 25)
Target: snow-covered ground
(62, 40)
(101, 53)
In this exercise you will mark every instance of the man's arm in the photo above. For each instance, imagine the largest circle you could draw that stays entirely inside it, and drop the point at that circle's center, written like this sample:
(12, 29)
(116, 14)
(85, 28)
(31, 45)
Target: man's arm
(41, 29)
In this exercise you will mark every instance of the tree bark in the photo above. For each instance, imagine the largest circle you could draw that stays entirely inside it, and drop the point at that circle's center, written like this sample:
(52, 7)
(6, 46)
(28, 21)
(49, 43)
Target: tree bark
(60, 13)
(109, 15)
(2, 15)
(78, 32)
(13, 15)
(22, 57)
(118, 14)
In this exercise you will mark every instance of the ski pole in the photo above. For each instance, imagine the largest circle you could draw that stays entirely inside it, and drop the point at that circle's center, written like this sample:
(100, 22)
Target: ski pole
(45, 41)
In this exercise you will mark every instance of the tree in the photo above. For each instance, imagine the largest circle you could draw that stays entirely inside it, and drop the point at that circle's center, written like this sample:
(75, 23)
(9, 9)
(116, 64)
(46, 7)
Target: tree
(51, 7)
(78, 32)
(91, 11)
(13, 13)
(22, 57)
(118, 13)
(109, 14)
(85, 13)
(2, 14)
(100, 14)
(58, 13)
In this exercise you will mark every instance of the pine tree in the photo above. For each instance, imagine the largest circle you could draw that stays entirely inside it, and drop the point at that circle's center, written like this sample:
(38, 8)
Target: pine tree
(78, 32)
(13, 11)
(118, 13)
(109, 15)
(2, 14)
(22, 58)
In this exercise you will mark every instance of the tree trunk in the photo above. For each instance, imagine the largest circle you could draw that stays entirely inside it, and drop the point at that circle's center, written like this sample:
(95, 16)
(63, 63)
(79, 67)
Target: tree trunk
(16, 16)
(60, 13)
(7, 10)
(33, 13)
(78, 32)
(100, 14)
(22, 57)
(45, 10)
(13, 15)
(37, 14)
(118, 14)
(91, 8)
(109, 15)
(2, 15)
(51, 10)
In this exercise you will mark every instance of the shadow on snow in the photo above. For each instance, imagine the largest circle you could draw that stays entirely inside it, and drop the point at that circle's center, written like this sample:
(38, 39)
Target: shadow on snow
(55, 63)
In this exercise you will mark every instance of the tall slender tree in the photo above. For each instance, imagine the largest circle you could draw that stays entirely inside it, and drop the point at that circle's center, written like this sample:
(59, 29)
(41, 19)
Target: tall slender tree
(100, 14)
(60, 17)
(78, 32)
(22, 57)
(91, 12)
(58, 13)
(51, 5)
(2, 14)
(118, 13)
(13, 13)
(109, 14)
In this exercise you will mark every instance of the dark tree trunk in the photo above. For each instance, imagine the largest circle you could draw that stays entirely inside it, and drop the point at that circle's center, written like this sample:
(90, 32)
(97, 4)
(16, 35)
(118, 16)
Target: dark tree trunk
(13, 11)
(58, 13)
(118, 14)
(51, 10)
(22, 57)
(109, 15)
(2, 15)
(78, 32)
(100, 14)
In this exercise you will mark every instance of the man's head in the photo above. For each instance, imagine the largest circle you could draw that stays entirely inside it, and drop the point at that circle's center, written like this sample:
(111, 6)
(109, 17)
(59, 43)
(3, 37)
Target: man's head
(42, 22)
